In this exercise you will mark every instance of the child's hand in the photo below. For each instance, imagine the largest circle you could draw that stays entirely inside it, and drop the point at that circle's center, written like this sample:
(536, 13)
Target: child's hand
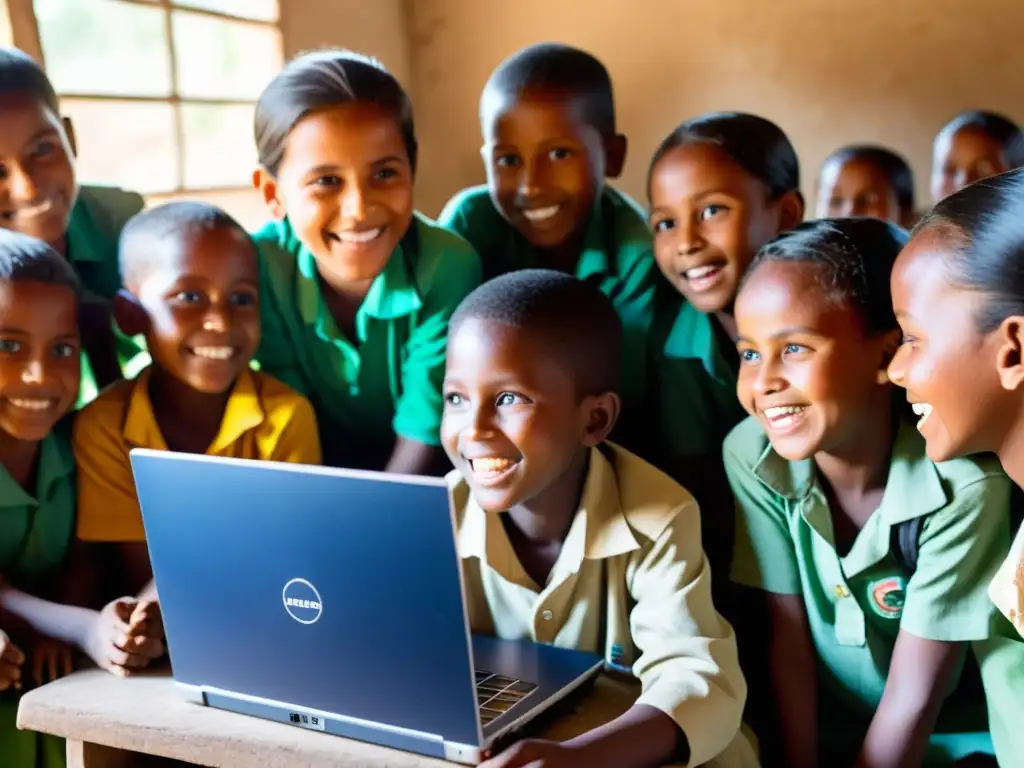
(126, 636)
(51, 659)
(11, 659)
(537, 753)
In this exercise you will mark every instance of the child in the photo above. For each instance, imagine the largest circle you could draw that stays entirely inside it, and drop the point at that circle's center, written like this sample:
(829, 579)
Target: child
(548, 120)
(958, 293)
(39, 196)
(571, 542)
(863, 180)
(357, 287)
(720, 186)
(972, 146)
(192, 290)
(829, 476)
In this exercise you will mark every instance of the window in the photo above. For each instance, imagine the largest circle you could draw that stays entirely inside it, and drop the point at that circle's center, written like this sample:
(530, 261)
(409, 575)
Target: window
(161, 92)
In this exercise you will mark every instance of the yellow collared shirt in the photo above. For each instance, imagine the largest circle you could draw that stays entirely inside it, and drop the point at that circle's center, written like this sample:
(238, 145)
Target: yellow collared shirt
(631, 583)
(264, 419)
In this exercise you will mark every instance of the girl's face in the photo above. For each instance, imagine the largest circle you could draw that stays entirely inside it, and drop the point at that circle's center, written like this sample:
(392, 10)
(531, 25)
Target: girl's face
(947, 367)
(345, 184)
(808, 369)
(962, 158)
(857, 187)
(709, 218)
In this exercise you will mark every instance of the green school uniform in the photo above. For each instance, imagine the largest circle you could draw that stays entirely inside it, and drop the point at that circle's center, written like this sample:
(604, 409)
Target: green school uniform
(1001, 661)
(35, 532)
(857, 603)
(387, 381)
(97, 219)
(617, 257)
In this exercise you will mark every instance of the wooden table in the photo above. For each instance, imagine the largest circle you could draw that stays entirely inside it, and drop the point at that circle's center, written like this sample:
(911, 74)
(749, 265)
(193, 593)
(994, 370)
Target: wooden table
(113, 723)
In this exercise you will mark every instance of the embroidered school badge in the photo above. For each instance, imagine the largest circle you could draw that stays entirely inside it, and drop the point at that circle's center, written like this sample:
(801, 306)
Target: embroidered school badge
(888, 596)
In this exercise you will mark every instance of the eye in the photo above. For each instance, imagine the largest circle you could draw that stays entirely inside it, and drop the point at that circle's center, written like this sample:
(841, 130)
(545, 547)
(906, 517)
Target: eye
(794, 349)
(905, 339)
(386, 173)
(243, 299)
(10, 346)
(327, 181)
(560, 153)
(454, 399)
(63, 350)
(509, 398)
(663, 225)
(748, 356)
(188, 297)
(506, 161)
(44, 148)
(710, 211)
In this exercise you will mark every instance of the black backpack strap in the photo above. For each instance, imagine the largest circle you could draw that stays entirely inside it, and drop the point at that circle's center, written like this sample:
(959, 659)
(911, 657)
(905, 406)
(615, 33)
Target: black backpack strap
(905, 542)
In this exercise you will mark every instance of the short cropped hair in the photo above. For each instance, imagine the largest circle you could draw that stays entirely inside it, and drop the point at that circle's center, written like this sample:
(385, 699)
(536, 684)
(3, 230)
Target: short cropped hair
(561, 68)
(20, 73)
(140, 250)
(25, 259)
(578, 321)
(321, 80)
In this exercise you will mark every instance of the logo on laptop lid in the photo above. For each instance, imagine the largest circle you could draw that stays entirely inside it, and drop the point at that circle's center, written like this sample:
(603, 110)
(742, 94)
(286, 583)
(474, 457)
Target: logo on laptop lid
(302, 601)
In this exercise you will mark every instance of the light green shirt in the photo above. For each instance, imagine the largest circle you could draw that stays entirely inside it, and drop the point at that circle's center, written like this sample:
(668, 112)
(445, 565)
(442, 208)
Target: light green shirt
(94, 230)
(857, 603)
(387, 381)
(617, 257)
(35, 532)
(1001, 661)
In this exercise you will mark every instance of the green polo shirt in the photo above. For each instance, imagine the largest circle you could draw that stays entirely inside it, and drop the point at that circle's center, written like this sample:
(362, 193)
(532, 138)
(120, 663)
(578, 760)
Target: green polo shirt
(387, 381)
(857, 603)
(35, 532)
(94, 230)
(1001, 661)
(617, 257)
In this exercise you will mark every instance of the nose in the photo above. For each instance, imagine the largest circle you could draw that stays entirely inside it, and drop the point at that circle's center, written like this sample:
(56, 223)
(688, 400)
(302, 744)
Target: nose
(353, 204)
(480, 421)
(688, 239)
(530, 179)
(767, 379)
(898, 367)
(215, 319)
(22, 188)
(34, 372)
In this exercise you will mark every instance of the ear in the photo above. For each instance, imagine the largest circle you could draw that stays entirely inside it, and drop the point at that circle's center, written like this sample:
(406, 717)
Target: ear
(130, 316)
(602, 413)
(1010, 358)
(890, 344)
(69, 130)
(266, 185)
(791, 210)
(614, 155)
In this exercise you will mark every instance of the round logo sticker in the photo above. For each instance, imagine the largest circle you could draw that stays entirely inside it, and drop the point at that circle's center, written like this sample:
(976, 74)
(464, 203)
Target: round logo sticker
(302, 601)
(888, 596)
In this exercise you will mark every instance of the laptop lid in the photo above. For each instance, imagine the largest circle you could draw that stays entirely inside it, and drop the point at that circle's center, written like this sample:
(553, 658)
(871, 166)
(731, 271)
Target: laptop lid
(332, 589)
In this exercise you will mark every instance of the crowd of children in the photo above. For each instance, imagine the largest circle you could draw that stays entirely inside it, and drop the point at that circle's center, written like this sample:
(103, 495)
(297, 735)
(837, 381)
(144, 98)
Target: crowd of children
(822, 419)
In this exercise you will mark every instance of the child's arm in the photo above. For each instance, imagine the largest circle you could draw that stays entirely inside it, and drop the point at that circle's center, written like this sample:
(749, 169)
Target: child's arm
(792, 662)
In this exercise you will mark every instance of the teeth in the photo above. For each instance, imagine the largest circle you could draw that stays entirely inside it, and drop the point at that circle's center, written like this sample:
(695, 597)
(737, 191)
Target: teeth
(541, 214)
(698, 272)
(30, 405)
(29, 211)
(923, 410)
(784, 410)
(213, 353)
(491, 466)
(362, 236)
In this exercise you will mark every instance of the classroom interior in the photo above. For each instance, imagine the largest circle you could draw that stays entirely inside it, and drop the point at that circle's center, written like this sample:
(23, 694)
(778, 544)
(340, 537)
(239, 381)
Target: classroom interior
(168, 109)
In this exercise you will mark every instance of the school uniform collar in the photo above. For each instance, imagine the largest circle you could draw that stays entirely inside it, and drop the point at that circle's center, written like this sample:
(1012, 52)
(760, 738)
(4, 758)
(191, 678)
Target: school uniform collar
(598, 531)
(244, 411)
(392, 294)
(914, 487)
(56, 464)
(693, 335)
(82, 235)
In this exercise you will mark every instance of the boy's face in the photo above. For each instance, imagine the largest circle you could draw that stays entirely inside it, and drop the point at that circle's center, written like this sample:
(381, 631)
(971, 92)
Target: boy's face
(807, 370)
(857, 187)
(709, 218)
(346, 185)
(37, 178)
(962, 158)
(39, 357)
(200, 308)
(545, 165)
(512, 422)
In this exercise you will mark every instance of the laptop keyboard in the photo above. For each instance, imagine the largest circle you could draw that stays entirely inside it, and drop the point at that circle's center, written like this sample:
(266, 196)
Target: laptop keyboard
(496, 694)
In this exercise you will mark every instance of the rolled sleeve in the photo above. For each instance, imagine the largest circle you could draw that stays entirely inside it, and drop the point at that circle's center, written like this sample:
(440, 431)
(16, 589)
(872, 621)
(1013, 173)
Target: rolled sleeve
(108, 509)
(961, 547)
(418, 410)
(688, 664)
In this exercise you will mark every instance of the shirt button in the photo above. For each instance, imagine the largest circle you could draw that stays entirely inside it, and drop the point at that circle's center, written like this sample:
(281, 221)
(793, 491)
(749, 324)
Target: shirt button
(546, 615)
(841, 592)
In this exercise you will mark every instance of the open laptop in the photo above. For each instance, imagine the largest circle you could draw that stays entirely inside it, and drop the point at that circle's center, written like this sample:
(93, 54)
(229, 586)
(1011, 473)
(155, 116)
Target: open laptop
(333, 600)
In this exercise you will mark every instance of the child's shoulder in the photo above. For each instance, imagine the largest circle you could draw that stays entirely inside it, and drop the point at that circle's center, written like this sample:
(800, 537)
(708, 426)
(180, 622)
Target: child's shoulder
(276, 398)
(106, 413)
(468, 207)
(442, 262)
(745, 444)
(630, 217)
(110, 207)
(438, 245)
(961, 473)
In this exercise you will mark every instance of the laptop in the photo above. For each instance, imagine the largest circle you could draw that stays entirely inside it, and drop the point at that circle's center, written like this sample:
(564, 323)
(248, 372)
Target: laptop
(333, 600)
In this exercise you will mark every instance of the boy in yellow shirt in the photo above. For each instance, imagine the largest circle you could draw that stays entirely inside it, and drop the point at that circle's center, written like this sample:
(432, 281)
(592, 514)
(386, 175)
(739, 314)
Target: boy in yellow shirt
(192, 289)
(578, 543)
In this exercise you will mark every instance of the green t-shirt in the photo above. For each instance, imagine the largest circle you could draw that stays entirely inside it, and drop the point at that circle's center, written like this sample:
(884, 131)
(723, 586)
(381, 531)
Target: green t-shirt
(94, 230)
(388, 380)
(1001, 661)
(35, 533)
(617, 257)
(857, 603)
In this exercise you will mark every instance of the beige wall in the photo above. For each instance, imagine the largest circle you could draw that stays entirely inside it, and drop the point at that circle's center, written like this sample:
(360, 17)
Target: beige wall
(829, 73)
